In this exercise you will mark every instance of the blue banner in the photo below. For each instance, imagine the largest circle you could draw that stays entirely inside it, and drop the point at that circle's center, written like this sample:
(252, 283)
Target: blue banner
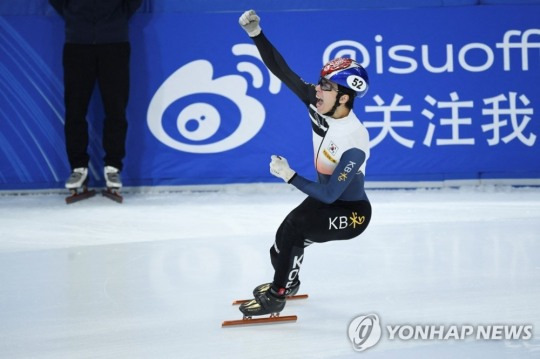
(454, 95)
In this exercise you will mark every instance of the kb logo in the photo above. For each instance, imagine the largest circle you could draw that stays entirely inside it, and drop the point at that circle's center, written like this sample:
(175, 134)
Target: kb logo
(365, 332)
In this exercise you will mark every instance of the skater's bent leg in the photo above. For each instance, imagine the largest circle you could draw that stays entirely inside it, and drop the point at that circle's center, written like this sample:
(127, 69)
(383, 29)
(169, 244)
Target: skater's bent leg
(288, 270)
(313, 222)
(287, 254)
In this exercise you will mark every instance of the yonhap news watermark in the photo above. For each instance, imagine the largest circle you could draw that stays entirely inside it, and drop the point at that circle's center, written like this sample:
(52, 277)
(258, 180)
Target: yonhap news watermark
(365, 331)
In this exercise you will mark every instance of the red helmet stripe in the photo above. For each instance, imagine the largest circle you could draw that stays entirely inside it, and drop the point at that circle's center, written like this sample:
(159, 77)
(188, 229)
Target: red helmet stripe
(336, 64)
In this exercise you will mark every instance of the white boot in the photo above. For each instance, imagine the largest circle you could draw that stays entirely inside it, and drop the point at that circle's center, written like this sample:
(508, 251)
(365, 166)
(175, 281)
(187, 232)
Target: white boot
(112, 177)
(77, 178)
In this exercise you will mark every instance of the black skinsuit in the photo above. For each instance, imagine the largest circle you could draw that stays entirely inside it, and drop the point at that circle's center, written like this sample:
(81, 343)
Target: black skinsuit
(337, 207)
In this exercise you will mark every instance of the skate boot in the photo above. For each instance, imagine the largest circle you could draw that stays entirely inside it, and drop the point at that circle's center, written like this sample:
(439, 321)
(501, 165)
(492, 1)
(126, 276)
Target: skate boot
(112, 177)
(77, 184)
(270, 302)
(77, 178)
(289, 292)
(113, 183)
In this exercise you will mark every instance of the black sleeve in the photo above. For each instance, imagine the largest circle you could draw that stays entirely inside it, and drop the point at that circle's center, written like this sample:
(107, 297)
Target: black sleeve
(277, 65)
(133, 5)
(58, 5)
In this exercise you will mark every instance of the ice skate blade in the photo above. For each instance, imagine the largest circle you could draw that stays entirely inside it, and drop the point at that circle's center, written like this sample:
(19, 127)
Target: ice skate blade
(293, 297)
(267, 320)
(76, 196)
(112, 194)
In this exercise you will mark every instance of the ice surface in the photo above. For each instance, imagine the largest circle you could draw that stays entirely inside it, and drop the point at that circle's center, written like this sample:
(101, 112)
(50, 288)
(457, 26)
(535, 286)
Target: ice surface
(154, 277)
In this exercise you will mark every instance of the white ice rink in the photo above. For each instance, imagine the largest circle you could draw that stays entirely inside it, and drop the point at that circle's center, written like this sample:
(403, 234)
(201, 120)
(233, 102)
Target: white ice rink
(155, 276)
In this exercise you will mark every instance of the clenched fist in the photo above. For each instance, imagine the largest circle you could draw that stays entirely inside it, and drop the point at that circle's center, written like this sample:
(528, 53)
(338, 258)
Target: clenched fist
(279, 167)
(250, 22)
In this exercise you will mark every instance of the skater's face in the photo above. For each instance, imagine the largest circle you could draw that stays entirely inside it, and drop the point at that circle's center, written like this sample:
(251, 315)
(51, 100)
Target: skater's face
(327, 92)
(326, 95)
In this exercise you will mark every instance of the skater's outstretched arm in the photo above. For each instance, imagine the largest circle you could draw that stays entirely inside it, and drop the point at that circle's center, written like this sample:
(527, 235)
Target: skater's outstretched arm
(250, 22)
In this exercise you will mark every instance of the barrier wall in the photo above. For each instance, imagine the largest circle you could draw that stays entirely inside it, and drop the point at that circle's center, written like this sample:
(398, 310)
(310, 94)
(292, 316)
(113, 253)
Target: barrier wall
(41, 7)
(454, 95)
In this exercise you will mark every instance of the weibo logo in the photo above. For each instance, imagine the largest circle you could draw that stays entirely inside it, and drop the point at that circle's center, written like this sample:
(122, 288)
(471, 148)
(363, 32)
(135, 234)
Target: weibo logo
(201, 125)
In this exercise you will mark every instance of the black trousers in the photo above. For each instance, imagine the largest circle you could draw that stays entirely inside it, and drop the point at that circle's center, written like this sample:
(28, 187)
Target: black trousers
(84, 65)
(314, 222)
